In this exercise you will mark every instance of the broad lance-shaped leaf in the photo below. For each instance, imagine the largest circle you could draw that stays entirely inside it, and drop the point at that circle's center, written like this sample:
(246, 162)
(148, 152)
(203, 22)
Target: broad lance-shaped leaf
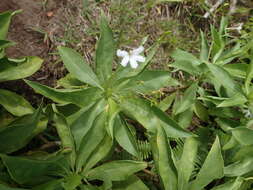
(231, 185)
(149, 81)
(150, 116)
(5, 44)
(243, 135)
(239, 168)
(99, 153)
(79, 97)
(217, 44)
(180, 55)
(14, 103)
(72, 181)
(105, 51)
(125, 138)
(116, 170)
(21, 70)
(67, 140)
(249, 76)
(184, 119)
(187, 100)
(76, 65)
(238, 70)
(112, 110)
(186, 163)
(211, 169)
(5, 19)
(4, 187)
(85, 121)
(91, 140)
(132, 183)
(50, 185)
(204, 52)
(15, 135)
(70, 82)
(31, 171)
(236, 100)
(166, 102)
(163, 160)
(224, 78)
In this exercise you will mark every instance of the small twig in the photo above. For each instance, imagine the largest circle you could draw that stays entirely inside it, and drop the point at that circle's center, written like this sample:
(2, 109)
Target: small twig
(213, 8)
(171, 90)
(153, 175)
(49, 145)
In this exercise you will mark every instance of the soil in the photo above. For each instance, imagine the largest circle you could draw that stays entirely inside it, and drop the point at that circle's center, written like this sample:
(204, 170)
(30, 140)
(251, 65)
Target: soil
(28, 29)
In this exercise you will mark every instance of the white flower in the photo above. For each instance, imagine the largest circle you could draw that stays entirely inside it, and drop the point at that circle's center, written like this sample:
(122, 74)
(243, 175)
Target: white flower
(237, 27)
(247, 113)
(133, 57)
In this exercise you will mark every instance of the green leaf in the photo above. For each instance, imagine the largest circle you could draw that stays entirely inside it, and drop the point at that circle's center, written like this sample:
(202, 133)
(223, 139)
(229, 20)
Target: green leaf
(85, 121)
(201, 111)
(79, 97)
(72, 181)
(239, 168)
(223, 25)
(224, 78)
(125, 138)
(186, 66)
(163, 160)
(243, 135)
(236, 100)
(21, 70)
(236, 69)
(131, 183)
(217, 44)
(184, 119)
(204, 51)
(112, 110)
(14, 103)
(67, 140)
(3, 187)
(208, 172)
(5, 44)
(91, 140)
(249, 76)
(150, 116)
(180, 55)
(99, 153)
(17, 134)
(166, 102)
(149, 81)
(5, 19)
(70, 81)
(187, 100)
(116, 170)
(30, 171)
(51, 185)
(186, 164)
(75, 64)
(105, 51)
(231, 185)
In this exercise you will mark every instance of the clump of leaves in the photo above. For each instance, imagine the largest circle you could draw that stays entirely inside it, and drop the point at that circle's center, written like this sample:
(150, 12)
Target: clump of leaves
(17, 116)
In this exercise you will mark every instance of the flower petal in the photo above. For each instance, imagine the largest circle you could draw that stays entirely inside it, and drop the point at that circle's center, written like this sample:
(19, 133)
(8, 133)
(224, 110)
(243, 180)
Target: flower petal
(124, 61)
(138, 50)
(133, 63)
(121, 53)
(139, 58)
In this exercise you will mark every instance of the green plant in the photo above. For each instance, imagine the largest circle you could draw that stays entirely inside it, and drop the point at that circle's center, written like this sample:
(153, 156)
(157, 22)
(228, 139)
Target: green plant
(18, 117)
(103, 100)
